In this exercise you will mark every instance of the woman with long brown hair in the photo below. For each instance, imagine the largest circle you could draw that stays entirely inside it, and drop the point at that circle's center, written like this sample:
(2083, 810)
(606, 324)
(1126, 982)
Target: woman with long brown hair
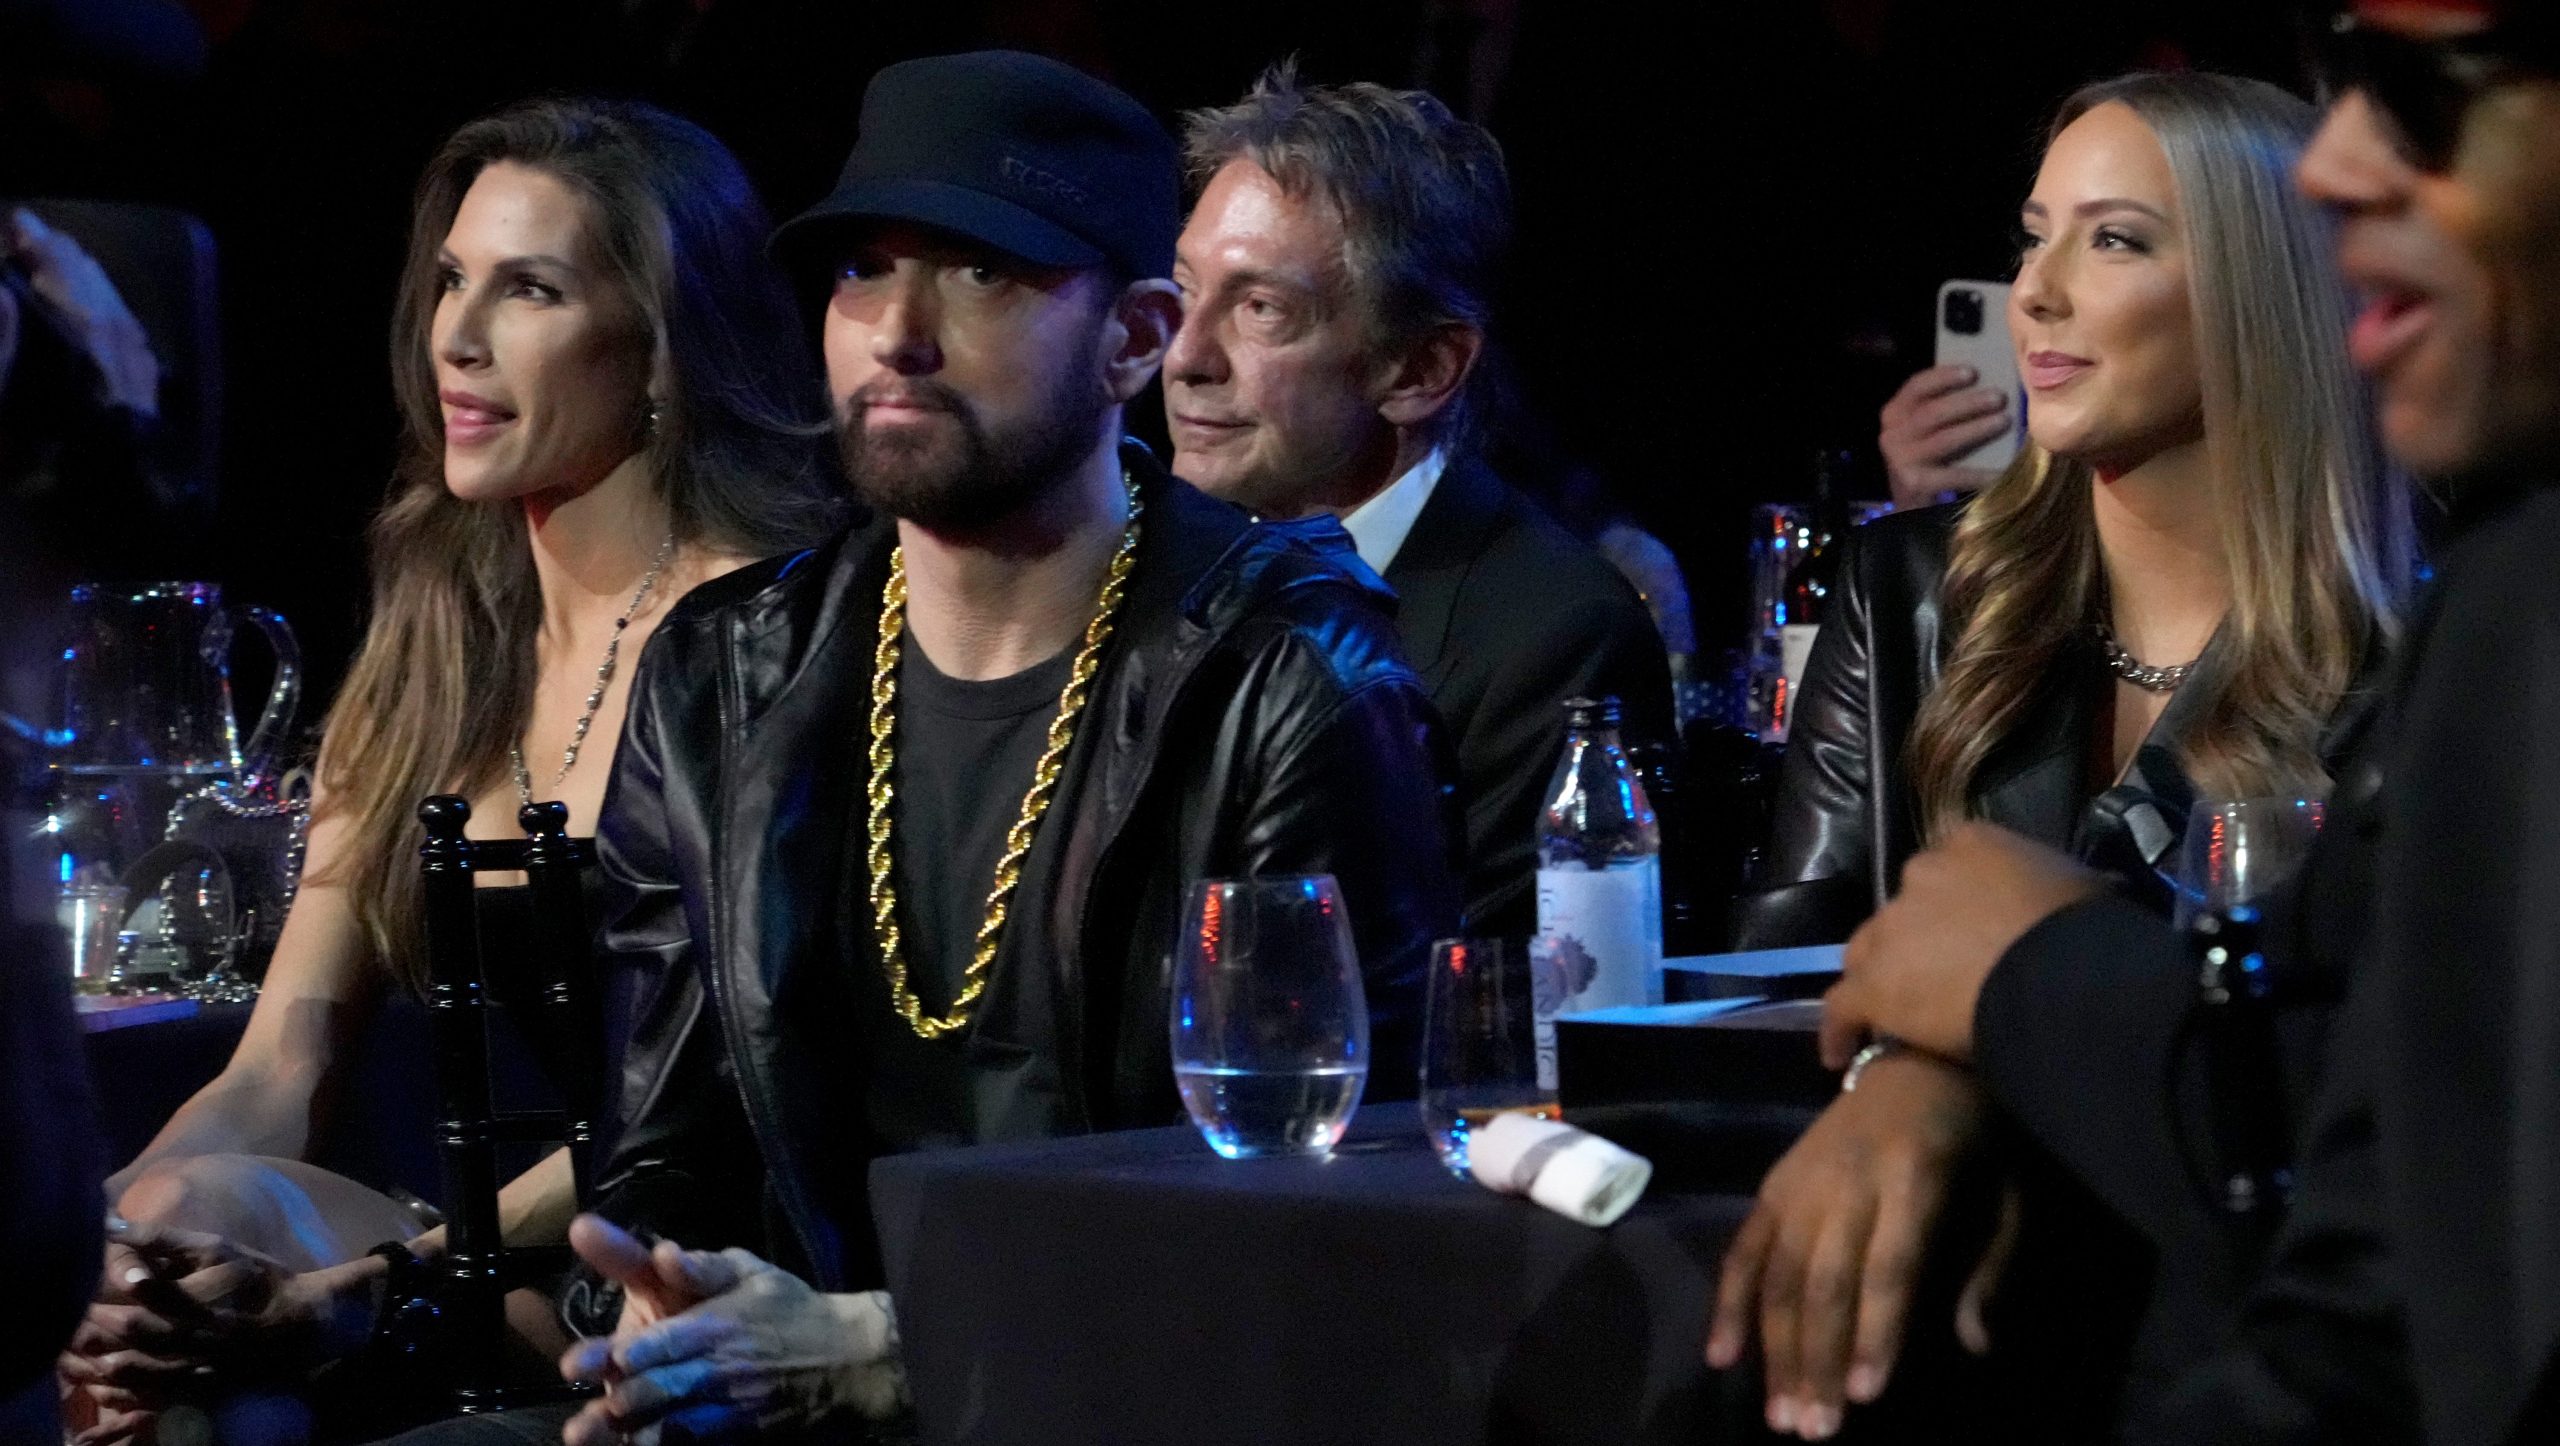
(606, 399)
(2173, 595)
(2173, 590)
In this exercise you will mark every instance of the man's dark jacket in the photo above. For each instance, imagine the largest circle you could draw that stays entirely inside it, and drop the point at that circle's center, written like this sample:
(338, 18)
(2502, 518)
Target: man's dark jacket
(2414, 1291)
(1252, 715)
(1505, 614)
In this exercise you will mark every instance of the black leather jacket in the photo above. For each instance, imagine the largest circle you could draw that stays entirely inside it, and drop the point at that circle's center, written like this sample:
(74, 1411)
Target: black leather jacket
(1845, 818)
(1253, 715)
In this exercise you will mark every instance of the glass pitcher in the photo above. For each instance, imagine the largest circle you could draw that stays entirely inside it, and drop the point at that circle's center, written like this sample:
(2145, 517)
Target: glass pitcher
(148, 764)
(146, 674)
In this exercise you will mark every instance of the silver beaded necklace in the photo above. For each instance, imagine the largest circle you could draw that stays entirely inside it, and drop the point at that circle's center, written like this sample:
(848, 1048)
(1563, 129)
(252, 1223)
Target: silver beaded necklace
(604, 677)
(2140, 674)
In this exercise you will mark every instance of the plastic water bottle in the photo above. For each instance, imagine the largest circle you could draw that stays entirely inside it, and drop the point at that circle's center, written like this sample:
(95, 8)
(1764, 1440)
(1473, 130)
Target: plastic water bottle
(1599, 942)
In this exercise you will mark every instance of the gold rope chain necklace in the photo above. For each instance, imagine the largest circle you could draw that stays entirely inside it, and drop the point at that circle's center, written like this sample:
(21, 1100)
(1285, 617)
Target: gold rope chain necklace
(1044, 782)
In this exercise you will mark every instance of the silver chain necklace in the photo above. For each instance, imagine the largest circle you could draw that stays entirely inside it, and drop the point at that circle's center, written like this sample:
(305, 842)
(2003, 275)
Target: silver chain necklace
(604, 677)
(2140, 674)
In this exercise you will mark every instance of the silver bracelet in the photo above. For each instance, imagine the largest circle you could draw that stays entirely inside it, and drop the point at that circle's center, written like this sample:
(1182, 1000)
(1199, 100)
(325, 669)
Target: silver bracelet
(1878, 1048)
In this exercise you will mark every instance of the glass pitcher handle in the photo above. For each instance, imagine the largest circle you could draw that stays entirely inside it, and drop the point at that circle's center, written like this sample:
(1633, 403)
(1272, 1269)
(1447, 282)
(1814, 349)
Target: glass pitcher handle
(258, 761)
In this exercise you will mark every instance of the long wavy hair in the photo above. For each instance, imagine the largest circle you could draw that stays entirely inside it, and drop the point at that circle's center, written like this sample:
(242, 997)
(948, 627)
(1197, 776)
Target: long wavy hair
(738, 452)
(2317, 538)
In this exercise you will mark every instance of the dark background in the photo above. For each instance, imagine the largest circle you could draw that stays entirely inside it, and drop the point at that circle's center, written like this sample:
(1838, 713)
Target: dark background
(1733, 216)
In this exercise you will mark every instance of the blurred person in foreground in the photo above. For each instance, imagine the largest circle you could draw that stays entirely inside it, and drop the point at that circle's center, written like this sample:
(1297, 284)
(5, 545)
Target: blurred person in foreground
(2177, 593)
(1041, 634)
(1337, 276)
(49, 1172)
(2409, 1294)
(69, 350)
(50, 1201)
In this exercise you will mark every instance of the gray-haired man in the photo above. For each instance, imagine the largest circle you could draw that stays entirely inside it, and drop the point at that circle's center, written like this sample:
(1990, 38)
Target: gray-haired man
(1336, 275)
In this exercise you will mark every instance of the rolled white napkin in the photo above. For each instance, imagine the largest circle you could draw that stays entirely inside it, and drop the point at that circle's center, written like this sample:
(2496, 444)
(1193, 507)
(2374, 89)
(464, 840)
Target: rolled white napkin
(1575, 1173)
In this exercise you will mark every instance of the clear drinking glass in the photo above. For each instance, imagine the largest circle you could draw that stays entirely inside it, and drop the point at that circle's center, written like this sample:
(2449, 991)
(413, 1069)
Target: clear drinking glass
(91, 913)
(2238, 850)
(1479, 1043)
(1270, 1031)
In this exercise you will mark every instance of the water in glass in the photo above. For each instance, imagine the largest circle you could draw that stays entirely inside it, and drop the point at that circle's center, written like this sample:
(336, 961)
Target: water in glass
(1270, 1030)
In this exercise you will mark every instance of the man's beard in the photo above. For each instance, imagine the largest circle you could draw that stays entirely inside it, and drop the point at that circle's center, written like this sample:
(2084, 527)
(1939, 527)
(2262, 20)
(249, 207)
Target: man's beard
(964, 477)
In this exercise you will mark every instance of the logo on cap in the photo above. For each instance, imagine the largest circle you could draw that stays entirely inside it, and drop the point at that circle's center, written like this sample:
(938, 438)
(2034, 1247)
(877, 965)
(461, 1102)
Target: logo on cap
(1048, 183)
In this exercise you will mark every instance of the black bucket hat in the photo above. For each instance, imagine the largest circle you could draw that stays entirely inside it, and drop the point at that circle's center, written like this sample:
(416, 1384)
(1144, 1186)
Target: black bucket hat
(1019, 152)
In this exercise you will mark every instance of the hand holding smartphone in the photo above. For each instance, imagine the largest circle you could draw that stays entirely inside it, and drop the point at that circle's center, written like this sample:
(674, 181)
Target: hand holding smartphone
(1973, 332)
(1951, 428)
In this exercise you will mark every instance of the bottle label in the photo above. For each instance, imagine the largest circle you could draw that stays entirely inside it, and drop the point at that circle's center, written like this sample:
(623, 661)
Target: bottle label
(1795, 644)
(1599, 945)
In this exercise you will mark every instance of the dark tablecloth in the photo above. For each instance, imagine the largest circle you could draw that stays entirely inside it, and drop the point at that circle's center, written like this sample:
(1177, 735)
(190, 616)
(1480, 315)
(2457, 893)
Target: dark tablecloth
(1135, 1288)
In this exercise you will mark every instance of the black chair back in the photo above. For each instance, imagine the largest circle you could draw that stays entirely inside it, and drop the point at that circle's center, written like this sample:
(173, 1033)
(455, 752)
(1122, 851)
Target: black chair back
(478, 1269)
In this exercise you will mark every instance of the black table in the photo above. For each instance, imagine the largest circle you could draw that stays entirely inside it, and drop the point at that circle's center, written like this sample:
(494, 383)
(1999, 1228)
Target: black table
(1135, 1288)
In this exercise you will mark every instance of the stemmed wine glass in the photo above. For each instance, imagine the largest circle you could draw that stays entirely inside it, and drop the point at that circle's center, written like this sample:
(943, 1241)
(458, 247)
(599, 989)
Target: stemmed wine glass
(2236, 853)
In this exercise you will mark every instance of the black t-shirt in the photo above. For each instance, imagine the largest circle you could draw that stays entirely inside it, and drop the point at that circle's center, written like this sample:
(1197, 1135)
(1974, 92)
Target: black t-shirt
(965, 754)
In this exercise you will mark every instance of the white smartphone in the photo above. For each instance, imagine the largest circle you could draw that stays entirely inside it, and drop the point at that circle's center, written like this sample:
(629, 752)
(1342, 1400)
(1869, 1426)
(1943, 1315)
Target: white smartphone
(1973, 330)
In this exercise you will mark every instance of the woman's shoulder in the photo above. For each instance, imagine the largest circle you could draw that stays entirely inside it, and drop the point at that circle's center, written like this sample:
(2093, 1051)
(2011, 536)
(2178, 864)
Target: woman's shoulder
(1919, 535)
(1898, 562)
(720, 577)
(729, 581)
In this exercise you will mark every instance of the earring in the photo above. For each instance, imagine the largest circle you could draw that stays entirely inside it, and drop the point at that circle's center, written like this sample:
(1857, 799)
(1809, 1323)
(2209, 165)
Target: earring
(650, 427)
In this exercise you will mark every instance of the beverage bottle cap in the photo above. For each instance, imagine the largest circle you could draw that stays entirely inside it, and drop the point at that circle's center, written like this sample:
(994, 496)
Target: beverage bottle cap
(1591, 712)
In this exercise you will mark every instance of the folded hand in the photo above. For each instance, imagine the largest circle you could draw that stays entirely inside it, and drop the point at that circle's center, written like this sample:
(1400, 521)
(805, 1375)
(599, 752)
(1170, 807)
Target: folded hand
(176, 1308)
(726, 1345)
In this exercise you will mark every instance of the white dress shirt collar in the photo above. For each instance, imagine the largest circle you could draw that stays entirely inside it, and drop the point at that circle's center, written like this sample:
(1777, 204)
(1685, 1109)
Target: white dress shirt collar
(1379, 526)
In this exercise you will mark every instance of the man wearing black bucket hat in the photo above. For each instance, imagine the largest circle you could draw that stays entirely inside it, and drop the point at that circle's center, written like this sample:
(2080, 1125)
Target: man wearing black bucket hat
(898, 838)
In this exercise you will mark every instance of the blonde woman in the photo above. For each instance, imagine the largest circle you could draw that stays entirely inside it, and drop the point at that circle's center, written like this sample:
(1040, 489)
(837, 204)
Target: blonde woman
(607, 399)
(2173, 591)
(2171, 595)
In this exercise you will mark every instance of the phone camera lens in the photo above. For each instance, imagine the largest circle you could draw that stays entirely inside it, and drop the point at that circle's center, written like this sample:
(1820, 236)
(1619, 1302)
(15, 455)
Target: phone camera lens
(1964, 313)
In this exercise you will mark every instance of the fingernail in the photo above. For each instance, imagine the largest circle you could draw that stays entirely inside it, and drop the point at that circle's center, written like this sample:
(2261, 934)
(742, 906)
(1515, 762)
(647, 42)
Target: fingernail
(117, 1224)
(137, 1275)
(1970, 375)
(1818, 1423)
(1865, 1383)
(1782, 1414)
(1719, 1352)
